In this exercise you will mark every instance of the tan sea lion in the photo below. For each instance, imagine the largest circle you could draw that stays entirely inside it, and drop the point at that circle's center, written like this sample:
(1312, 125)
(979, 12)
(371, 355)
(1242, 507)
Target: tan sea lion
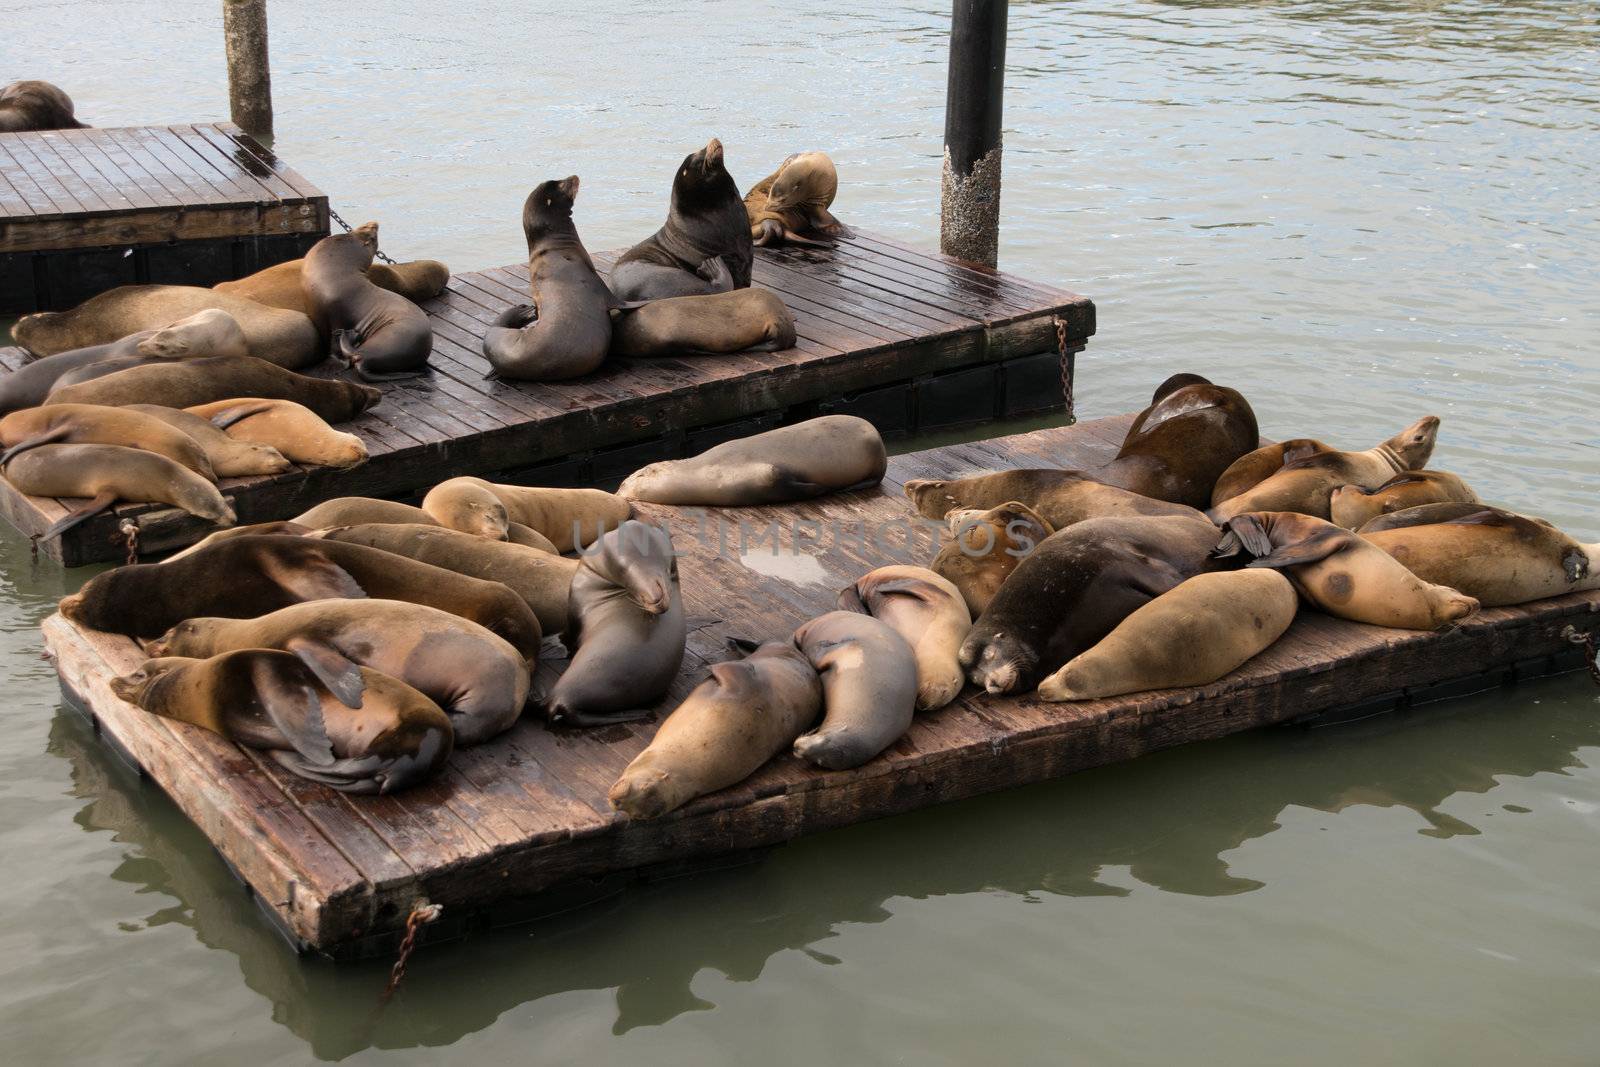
(363, 511)
(746, 712)
(285, 338)
(869, 688)
(391, 738)
(1059, 497)
(228, 458)
(1252, 469)
(1341, 573)
(792, 202)
(1178, 446)
(109, 473)
(84, 424)
(479, 680)
(36, 105)
(715, 324)
(986, 547)
(807, 459)
(929, 613)
(380, 335)
(193, 382)
(297, 432)
(255, 529)
(1352, 507)
(1306, 484)
(280, 285)
(566, 517)
(1193, 634)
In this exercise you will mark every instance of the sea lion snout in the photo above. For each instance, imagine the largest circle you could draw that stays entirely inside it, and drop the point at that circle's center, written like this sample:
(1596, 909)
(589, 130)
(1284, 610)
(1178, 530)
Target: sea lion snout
(71, 607)
(713, 154)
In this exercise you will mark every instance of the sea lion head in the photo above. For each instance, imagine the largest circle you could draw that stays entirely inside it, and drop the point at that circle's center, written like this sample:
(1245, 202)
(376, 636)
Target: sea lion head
(191, 637)
(998, 662)
(367, 234)
(549, 206)
(143, 686)
(346, 251)
(703, 181)
(637, 557)
(212, 332)
(805, 178)
(469, 506)
(1413, 445)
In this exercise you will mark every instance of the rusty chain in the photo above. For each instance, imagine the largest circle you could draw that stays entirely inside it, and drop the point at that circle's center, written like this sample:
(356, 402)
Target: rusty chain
(1067, 368)
(130, 538)
(422, 913)
(336, 217)
(1591, 654)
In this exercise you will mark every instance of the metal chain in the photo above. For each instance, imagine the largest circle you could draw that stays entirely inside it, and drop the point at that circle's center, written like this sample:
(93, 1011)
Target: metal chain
(1068, 368)
(1591, 654)
(422, 913)
(130, 537)
(380, 253)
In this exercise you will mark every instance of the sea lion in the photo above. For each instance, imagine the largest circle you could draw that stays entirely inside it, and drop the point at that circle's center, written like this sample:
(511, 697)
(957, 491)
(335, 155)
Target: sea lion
(1178, 446)
(704, 246)
(479, 680)
(228, 458)
(242, 577)
(255, 529)
(566, 331)
(1493, 555)
(1305, 484)
(297, 432)
(390, 738)
(1352, 506)
(286, 338)
(625, 628)
(84, 424)
(869, 688)
(929, 613)
(793, 201)
(193, 382)
(109, 473)
(745, 713)
(807, 459)
(1075, 588)
(986, 547)
(716, 324)
(1197, 632)
(281, 286)
(36, 105)
(566, 517)
(1341, 573)
(363, 511)
(541, 578)
(381, 335)
(1253, 468)
(1059, 497)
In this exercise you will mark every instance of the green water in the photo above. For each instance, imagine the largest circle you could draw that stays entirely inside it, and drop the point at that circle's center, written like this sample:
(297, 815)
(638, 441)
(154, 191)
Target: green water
(1356, 212)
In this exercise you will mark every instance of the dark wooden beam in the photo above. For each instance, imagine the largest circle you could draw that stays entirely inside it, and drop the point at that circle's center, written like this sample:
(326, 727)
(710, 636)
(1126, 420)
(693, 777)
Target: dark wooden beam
(244, 28)
(969, 217)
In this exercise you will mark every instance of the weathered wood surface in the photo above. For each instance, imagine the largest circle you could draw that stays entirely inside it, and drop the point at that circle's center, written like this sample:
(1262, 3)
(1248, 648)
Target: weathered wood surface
(869, 315)
(527, 813)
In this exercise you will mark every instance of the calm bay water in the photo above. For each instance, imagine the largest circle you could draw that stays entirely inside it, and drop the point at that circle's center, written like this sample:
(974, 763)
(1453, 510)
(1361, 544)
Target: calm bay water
(1355, 212)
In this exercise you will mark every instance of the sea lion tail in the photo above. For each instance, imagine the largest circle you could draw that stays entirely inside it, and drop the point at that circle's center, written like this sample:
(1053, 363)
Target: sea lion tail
(99, 503)
(55, 433)
(390, 376)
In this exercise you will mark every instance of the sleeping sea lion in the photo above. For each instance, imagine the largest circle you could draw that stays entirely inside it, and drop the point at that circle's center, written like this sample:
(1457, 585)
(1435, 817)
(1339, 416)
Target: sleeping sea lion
(567, 517)
(1178, 446)
(365, 510)
(986, 547)
(1253, 468)
(109, 473)
(704, 246)
(1059, 497)
(929, 613)
(36, 105)
(84, 424)
(228, 458)
(869, 688)
(281, 285)
(192, 382)
(380, 335)
(716, 324)
(1352, 506)
(295, 431)
(391, 737)
(792, 202)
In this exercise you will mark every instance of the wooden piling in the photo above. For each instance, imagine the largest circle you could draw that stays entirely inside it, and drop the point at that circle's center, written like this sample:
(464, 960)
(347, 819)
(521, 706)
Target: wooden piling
(244, 27)
(969, 214)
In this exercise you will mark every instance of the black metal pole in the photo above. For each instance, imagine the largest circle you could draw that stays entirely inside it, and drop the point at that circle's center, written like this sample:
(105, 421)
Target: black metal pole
(244, 29)
(969, 214)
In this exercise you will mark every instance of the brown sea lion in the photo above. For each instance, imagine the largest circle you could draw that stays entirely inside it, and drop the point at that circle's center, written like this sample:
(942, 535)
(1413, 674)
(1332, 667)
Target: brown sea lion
(985, 548)
(193, 382)
(792, 202)
(109, 473)
(228, 458)
(1059, 497)
(280, 285)
(297, 432)
(1193, 634)
(746, 712)
(36, 105)
(1341, 573)
(255, 529)
(869, 688)
(1493, 555)
(1252, 469)
(807, 459)
(380, 335)
(1075, 588)
(703, 247)
(286, 338)
(1305, 484)
(362, 511)
(1178, 446)
(390, 738)
(1352, 506)
(626, 629)
(479, 680)
(716, 324)
(566, 331)
(929, 613)
(84, 424)
(566, 517)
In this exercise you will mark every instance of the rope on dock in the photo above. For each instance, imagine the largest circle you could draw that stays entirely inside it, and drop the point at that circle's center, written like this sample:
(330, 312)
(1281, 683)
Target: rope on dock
(1591, 655)
(1068, 368)
(422, 913)
(336, 217)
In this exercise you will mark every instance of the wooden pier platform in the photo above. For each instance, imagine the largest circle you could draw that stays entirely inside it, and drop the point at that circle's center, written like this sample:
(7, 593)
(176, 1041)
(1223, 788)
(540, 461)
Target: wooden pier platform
(82, 211)
(910, 340)
(523, 820)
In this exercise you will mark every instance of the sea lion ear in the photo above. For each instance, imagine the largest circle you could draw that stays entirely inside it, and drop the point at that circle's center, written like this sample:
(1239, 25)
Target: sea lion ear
(294, 708)
(333, 668)
(314, 576)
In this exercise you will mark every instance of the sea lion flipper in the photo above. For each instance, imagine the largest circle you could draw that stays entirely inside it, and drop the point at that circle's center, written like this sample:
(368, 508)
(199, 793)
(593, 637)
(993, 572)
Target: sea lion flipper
(715, 271)
(378, 376)
(239, 412)
(95, 506)
(790, 237)
(741, 646)
(333, 668)
(294, 708)
(1244, 533)
(55, 433)
(344, 349)
(313, 577)
(345, 775)
(850, 600)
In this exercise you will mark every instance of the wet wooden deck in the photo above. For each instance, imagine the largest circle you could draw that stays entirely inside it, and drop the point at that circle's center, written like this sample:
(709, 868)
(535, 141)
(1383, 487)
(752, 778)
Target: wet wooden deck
(911, 340)
(512, 822)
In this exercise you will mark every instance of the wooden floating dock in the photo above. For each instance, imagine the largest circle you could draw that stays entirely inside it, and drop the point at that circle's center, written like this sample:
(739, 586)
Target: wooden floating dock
(521, 821)
(910, 340)
(83, 211)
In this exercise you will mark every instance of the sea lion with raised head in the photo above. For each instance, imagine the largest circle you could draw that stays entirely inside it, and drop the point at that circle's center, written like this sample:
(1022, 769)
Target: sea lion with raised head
(869, 688)
(566, 517)
(192, 382)
(747, 711)
(380, 335)
(807, 459)
(1179, 445)
(1342, 573)
(86, 424)
(228, 458)
(1253, 468)
(929, 613)
(281, 285)
(566, 331)
(36, 105)
(1352, 506)
(986, 547)
(1059, 497)
(108, 473)
(790, 205)
(704, 246)
(1193, 634)
(717, 324)
(388, 738)
(295, 431)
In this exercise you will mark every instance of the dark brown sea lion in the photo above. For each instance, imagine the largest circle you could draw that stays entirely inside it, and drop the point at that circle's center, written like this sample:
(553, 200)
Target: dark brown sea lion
(792, 202)
(1252, 469)
(85, 424)
(986, 547)
(929, 613)
(716, 324)
(704, 246)
(36, 105)
(391, 738)
(281, 286)
(1352, 506)
(228, 458)
(745, 713)
(566, 331)
(479, 680)
(1060, 497)
(1178, 446)
(295, 431)
(566, 517)
(1075, 588)
(869, 688)
(380, 335)
(192, 382)
(106, 474)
